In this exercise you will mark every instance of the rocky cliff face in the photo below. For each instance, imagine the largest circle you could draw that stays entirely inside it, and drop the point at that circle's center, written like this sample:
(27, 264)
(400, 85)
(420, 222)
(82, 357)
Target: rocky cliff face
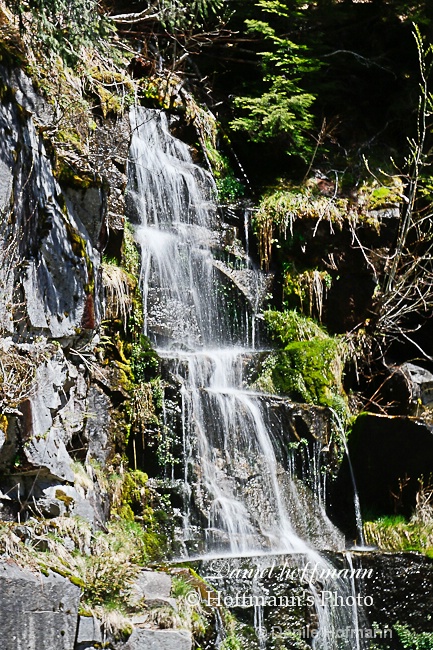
(79, 518)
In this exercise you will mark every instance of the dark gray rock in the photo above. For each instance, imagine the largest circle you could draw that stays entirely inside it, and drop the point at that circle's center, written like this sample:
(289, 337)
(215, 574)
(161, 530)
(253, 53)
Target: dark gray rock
(29, 99)
(37, 612)
(25, 533)
(50, 453)
(159, 640)
(89, 205)
(45, 432)
(40, 544)
(51, 251)
(49, 507)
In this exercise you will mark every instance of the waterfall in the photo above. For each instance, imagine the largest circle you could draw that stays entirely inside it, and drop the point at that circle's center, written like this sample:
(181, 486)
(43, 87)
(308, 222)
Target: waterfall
(356, 502)
(200, 308)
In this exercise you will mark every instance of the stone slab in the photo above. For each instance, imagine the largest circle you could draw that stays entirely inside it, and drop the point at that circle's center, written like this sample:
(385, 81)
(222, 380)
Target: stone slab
(37, 612)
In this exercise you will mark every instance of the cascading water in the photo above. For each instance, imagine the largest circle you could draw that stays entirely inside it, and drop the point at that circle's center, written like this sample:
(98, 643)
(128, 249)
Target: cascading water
(235, 477)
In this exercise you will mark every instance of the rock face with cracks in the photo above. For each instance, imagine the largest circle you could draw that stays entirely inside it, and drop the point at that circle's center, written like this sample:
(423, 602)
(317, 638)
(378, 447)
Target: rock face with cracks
(37, 612)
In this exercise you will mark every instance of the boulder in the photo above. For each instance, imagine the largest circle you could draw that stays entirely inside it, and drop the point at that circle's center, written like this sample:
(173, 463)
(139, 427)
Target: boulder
(153, 584)
(37, 612)
(66, 498)
(154, 587)
(420, 384)
(142, 639)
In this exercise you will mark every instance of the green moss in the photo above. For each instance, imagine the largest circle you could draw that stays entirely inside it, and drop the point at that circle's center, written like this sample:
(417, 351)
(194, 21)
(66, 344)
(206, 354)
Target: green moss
(309, 367)
(144, 360)
(12, 48)
(130, 255)
(289, 326)
(61, 496)
(133, 495)
(3, 423)
(69, 176)
(77, 581)
(304, 370)
(381, 192)
(305, 289)
(110, 102)
(7, 94)
(230, 189)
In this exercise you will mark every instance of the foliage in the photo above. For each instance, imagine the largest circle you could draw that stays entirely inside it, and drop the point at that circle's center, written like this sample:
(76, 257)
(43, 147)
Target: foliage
(178, 15)
(305, 290)
(101, 564)
(397, 534)
(405, 288)
(283, 108)
(280, 208)
(229, 187)
(119, 287)
(144, 360)
(62, 27)
(411, 640)
(232, 640)
(130, 254)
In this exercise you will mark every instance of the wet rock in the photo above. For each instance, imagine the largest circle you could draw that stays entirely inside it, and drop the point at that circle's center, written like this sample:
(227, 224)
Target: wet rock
(159, 640)
(89, 205)
(252, 285)
(37, 612)
(51, 249)
(28, 98)
(401, 587)
(8, 255)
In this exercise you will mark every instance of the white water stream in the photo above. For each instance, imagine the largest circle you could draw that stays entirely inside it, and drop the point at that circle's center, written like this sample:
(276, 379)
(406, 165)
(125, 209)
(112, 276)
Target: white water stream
(236, 481)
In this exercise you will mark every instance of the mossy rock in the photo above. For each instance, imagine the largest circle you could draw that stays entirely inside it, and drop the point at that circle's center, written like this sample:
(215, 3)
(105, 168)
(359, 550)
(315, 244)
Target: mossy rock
(310, 365)
(69, 176)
